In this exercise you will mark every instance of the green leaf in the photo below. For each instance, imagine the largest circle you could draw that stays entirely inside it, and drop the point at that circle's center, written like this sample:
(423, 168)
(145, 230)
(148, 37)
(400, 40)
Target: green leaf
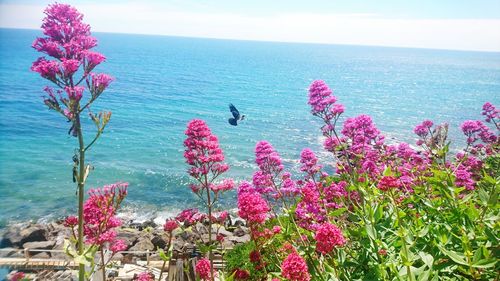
(427, 259)
(162, 255)
(82, 260)
(337, 212)
(456, 257)
(485, 263)
(424, 276)
(370, 230)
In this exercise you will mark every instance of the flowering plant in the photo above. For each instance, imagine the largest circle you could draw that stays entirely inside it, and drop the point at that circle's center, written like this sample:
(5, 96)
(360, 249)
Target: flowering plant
(390, 211)
(99, 224)
(70, 68)
(205, 158)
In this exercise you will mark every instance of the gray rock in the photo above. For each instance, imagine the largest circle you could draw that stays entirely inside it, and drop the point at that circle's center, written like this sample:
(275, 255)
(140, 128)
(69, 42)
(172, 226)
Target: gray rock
(239, 222)
(10, 252)
(143, 244)
(129, 235)
(33, 233)
(240, 231)
(240, 239)
(42, 255)
(160, 240)
(12, 237)
(46, 245)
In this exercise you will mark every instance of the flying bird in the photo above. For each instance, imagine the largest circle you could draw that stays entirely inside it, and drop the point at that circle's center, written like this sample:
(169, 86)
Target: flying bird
(236, 115)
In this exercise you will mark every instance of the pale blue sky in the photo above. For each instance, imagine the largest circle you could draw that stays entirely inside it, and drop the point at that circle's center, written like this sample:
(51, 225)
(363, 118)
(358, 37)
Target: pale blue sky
(446, 24)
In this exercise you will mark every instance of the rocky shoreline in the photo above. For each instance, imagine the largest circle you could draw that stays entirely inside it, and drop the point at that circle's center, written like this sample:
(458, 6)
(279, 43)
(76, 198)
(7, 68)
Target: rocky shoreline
(141, 238)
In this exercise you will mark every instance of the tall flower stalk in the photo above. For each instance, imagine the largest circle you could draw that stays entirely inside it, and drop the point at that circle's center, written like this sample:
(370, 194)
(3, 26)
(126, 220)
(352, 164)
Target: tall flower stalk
(68, 43)
(205, 158)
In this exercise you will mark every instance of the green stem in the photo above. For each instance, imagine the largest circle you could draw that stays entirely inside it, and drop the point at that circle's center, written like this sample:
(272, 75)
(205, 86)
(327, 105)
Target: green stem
(165, 262)
(405, 249)
(81, 190)
(103, 267)
(209, 207)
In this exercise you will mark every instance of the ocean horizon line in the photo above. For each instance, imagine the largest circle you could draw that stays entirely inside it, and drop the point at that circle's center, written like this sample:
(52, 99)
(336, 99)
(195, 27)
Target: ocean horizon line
(280, 42)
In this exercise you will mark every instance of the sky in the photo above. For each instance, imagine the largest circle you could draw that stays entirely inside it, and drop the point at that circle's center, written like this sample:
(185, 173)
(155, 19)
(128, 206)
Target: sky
(436, 24)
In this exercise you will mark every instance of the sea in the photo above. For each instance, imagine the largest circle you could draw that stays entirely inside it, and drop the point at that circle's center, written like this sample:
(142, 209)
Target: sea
(163, 82)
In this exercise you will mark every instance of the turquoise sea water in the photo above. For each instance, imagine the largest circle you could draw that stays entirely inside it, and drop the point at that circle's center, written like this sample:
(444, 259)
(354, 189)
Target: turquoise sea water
(163, 82)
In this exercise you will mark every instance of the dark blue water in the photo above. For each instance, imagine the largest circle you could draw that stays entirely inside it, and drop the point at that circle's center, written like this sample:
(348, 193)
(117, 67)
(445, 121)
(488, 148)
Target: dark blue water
(163, 82)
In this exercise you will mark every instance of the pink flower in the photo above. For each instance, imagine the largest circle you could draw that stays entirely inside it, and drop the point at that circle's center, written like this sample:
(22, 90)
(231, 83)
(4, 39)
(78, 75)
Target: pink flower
(241, 274)
(99, 83)
(75, 93)
(388, 182)
(255, 256)
(202, 268)
(294, 268)
(187, 216)
(220, 238)
(252, 207)
(69, 42)
(267, 158)
(422, 130)
(225, 185)
(328, 236)
(144, 276)
(99, 213)
(309, 162)
(118, 246)
(490, 112)
(18, 276)
(276, 229)
(170, 225)
(71, 221)
(205, 157)
(338, 109)
(92, 59)
(70, 66)
(47, 69)
(320, 96)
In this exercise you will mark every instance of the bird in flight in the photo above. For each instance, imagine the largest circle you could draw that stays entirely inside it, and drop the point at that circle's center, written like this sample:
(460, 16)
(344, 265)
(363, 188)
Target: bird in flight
(236, 115)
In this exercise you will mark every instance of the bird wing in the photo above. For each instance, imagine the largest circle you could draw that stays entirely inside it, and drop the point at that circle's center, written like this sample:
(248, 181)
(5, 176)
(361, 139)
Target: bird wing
(232, 121)
(234, 111)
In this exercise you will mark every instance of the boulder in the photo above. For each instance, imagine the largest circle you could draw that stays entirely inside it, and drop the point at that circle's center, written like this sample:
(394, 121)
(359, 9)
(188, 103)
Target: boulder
(143, 244)
(239, 239)
(43, 245)
(10, 252)
(240, 231)
(129, 235)
(33, 233)
(239, 222)
(160, 240)
(42, 255)
(12, 237)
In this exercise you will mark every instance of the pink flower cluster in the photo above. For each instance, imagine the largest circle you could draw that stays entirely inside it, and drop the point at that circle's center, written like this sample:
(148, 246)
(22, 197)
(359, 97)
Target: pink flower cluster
(491, 113)
(271, 179)
(476, 130)
(252, 207)
(190, 216)
(205, 157)
(328, 236)
(321, 100)
(387, 183)
(144, 276)
(18, 276)
(316, 200)
(202, 268)
(99, 215)
(69, 42)
(309, 162)
(170, 225)
(294, 268)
